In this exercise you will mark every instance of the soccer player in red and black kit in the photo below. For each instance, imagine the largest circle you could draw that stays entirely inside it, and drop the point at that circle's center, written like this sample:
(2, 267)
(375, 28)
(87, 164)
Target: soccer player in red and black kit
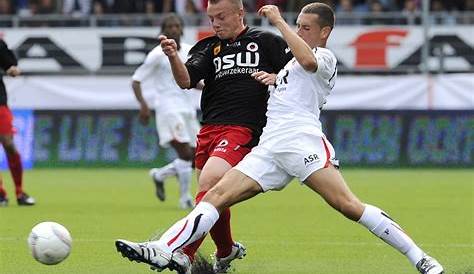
(8, 63)
(233, 104)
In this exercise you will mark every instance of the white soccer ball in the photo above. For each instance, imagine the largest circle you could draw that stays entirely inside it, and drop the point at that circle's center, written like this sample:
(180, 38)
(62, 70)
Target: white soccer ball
(50, 243)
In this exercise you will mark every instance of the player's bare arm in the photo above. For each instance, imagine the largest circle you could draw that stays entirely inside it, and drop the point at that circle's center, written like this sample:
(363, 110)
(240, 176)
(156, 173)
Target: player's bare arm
(301, 51)
(265, 77)
(145, 113)
(180, 72)
(13, 71)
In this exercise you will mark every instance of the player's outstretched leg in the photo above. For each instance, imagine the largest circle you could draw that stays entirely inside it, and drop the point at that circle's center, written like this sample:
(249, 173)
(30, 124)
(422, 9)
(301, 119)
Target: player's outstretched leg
(381, 225)
(330, 184)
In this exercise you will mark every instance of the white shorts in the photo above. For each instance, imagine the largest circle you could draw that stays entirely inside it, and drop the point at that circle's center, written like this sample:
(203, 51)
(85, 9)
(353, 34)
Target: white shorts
(181, 126)
(274, 166)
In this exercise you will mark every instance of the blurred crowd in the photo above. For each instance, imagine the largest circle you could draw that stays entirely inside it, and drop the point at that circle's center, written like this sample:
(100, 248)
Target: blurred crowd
(183, 7)
(349, 11)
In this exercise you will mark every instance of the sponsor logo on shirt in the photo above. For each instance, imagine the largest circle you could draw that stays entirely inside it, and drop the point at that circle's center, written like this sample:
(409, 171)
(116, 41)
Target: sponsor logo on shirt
(311, 159)
(252, 47)
(235, 44)
(217, 49)
(241, 59)
(244, 62)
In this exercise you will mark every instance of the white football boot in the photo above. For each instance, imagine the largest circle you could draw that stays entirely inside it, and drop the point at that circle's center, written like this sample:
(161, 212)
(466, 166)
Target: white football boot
(429, 265)
(155, 257)
(222, 265)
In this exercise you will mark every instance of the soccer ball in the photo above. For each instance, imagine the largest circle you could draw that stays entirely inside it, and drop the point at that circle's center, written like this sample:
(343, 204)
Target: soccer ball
(49, 242)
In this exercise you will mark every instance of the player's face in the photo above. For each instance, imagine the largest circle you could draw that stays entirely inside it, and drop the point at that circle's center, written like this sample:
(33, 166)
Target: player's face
(173, 29)
(307, 27)
(226, 19)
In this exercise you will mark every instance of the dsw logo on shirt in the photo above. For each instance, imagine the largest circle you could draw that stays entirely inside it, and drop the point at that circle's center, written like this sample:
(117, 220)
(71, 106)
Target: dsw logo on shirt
(241, 59)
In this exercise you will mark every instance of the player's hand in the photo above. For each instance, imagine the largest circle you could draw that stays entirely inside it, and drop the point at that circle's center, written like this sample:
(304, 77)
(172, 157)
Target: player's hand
(264, 77)
(169, 46)
(144, 115)
(271, 12)
(13, 71)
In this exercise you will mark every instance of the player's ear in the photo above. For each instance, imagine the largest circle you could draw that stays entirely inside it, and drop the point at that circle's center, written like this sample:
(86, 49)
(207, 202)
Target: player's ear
(241, 13)
(325, 31)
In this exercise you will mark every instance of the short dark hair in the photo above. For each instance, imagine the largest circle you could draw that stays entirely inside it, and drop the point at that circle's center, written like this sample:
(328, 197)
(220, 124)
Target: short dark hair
(324, 12)
(170, 18)
(237, 3)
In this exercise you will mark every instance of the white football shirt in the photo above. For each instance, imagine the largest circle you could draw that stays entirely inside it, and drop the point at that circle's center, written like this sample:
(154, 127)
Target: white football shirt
(169, 96)
(299, 95)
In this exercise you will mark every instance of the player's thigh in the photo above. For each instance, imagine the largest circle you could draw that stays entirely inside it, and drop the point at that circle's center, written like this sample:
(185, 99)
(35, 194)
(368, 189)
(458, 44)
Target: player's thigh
(329, 183)
(233, 188)
(260, 165)
(212, 172)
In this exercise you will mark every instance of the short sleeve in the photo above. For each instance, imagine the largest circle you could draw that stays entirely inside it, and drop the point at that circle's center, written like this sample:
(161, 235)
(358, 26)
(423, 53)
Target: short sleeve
(199, 63)
(326, 63)
(151, 62)
(277, 51)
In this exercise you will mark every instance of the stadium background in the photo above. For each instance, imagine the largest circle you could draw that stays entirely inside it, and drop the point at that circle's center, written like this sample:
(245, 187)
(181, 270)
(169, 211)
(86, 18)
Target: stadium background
(404, 99)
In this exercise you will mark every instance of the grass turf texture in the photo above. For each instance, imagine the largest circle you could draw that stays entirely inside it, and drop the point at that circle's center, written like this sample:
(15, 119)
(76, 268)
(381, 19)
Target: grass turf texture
(292, 231)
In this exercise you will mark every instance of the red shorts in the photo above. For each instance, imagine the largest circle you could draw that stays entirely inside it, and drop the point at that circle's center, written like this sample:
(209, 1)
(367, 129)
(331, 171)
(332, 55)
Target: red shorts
(6, 121)
(224, 141)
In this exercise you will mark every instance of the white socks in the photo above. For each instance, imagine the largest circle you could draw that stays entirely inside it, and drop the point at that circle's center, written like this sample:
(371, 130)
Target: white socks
(380, 224)
(189, 229)
(184, 171)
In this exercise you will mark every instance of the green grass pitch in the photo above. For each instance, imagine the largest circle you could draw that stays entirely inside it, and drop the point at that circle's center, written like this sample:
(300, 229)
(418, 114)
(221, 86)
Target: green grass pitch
(292, 231)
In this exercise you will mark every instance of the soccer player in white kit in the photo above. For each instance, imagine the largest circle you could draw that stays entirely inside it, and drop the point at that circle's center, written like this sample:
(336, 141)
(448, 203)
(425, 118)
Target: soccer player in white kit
(292, 145)
(176, 120)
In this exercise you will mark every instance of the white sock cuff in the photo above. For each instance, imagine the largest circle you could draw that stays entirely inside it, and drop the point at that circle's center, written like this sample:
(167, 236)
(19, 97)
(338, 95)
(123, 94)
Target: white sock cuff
(371, 217)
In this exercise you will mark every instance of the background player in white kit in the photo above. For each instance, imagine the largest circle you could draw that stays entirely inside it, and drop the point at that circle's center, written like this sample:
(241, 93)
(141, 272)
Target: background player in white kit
(176, 120)
(292, 145)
